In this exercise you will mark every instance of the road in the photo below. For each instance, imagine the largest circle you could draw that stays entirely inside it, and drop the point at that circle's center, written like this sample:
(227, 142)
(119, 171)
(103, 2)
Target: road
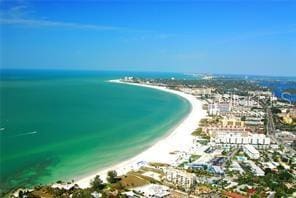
(270, 131)
(229, 157)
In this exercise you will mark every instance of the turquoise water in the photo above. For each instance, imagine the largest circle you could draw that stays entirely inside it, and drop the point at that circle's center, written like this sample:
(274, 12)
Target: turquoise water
(62, 125)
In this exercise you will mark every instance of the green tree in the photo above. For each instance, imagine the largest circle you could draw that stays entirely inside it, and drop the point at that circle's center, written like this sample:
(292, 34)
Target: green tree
(112, 176)
(97, 183)
(82, 193)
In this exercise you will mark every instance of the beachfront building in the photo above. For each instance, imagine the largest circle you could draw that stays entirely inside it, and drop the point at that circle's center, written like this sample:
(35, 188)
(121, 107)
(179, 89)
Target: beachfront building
(180, 178)
(251, 151)
(237, 139)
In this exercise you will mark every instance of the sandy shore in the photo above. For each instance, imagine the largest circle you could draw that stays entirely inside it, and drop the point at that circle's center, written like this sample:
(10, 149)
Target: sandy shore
(179, 139)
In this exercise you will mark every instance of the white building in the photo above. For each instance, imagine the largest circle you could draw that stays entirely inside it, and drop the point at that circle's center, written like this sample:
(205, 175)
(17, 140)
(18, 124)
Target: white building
(230, 139)
(219, 108)
(128, 78)
(256, 169)
(286, 136)
(236, 167)
(197, 91)
(153, 190)
(180, 178)
(251, 152)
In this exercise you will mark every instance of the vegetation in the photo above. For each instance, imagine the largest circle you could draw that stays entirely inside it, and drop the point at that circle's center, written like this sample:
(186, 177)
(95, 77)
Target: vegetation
(199, 132)
(275, 181)
(193, 158)
(275, 110)
(97, 183)
(201, 172)
(112, 177)
(222, 84)
(211, 121)
(133, 179)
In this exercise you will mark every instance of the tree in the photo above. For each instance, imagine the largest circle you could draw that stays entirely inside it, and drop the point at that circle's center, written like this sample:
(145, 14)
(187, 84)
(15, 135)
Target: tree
(21, 194)
(243, 118)
(275, 110)
(81, 193)
(97, 183)
(112, 176)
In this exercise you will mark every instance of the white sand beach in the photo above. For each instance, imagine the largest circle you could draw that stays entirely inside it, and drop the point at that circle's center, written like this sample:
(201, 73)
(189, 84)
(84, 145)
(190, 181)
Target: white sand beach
(180, 139)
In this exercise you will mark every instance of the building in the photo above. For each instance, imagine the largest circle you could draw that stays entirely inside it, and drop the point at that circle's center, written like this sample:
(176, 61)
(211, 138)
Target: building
(251, 152)
(128, 78)
(206, 166)
(197, 91)
(232, 122)
(257, 171)
(237, 139)
(260, 93)
(217, 170)
(219, 108)
(202, 91)
(180, 178)
(254, 121)
(215, 130)
(153, 190)
(286, 137)
(236, 167)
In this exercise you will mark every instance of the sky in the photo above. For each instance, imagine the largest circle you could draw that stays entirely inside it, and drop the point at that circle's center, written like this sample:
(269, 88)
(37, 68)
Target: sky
(231, 37)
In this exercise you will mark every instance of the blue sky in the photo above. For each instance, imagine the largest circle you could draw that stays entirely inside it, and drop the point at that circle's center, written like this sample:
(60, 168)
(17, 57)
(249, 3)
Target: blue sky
(237, 37)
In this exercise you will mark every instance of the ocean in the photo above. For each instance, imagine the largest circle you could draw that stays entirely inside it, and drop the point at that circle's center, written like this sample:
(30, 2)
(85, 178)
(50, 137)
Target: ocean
(62, 125)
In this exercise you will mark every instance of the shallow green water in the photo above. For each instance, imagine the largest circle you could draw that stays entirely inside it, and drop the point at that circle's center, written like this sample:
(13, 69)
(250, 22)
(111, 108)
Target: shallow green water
(62, 126)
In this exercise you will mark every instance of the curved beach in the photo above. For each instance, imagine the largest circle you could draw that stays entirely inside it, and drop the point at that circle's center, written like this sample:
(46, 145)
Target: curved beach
(180, 139)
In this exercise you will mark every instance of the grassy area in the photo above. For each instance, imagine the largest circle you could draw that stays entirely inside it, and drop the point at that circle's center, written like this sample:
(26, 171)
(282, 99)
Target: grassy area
(199, 132)
(157, 164)
(194, 157)
(132, 180)
(210, 121)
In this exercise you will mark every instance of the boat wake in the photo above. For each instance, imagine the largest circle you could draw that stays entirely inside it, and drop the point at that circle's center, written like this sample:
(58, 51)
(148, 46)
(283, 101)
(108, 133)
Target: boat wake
(24, 134)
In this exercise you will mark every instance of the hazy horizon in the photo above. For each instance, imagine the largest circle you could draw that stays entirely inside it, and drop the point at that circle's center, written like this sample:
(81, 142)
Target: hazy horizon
(144, 71)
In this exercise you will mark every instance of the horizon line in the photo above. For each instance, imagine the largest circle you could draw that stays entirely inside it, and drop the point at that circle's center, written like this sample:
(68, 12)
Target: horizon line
(147, 71)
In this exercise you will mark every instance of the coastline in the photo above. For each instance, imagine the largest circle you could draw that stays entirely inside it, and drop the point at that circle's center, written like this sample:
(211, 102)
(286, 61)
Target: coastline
(179, 139)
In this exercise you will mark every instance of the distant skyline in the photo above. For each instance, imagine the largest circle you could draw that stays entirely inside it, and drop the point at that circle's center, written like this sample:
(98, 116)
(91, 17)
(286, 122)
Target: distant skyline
(243, 37)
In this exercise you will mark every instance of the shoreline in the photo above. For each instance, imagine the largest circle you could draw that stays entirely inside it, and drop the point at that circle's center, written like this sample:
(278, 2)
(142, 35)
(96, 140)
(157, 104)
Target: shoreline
(179, 139)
